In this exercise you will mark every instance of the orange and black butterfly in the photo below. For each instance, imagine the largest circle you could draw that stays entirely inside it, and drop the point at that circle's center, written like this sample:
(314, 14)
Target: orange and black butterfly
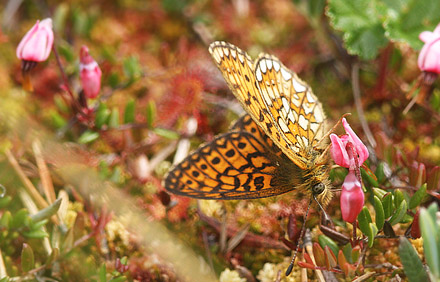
(277, 147)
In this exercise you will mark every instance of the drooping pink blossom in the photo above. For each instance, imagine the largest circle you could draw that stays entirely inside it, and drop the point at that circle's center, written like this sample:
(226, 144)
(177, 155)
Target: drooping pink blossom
(339, 147)
(349, 151)
(429, 57)
(37, 43)
(352, 197)
(90, 74)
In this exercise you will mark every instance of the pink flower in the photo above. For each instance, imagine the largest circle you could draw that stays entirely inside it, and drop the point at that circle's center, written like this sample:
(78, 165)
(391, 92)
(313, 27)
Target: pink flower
(352, 197)
(90, 74)
(37, 43)
(429, 57)
(339, 147)
(349, 151)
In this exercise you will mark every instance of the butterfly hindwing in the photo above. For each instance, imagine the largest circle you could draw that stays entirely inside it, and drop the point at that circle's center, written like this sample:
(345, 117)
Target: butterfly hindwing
(234, 165)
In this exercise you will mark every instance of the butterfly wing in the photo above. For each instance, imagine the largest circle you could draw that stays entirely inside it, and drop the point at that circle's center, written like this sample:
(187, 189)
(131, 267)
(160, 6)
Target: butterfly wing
(277, 100)
(295, 110)
(235, 165)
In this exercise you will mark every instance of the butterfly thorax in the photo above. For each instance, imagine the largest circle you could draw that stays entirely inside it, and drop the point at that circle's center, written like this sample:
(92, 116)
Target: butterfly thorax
(311, 179)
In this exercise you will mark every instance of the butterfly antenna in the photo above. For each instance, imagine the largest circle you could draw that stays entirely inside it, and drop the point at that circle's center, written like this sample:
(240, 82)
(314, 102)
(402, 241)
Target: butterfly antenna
(303, 229)
(333, 129)
(327, 135)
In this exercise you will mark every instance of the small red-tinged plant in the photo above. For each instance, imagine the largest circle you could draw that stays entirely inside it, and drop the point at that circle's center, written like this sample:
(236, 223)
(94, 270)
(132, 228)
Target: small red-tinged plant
(417, 174)
(415, 226)
(325, 259)
(121, 265)
(183, 98)
(433, 179)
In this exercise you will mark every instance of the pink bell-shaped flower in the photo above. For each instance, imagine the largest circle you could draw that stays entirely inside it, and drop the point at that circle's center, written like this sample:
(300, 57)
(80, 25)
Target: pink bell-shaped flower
(37, 43)
(349, 151)
(90, 74)
(429, 57)
(352, 197)
(339, 147)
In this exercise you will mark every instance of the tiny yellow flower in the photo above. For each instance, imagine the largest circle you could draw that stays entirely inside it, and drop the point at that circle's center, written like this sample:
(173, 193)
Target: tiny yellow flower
(228, 275)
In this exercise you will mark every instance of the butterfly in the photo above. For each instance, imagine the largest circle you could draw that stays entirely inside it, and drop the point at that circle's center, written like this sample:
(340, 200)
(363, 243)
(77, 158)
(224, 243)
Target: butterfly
(277, 147)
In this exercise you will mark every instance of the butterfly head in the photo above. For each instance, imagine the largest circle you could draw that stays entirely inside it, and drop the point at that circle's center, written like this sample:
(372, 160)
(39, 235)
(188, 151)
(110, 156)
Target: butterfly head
(320, 186)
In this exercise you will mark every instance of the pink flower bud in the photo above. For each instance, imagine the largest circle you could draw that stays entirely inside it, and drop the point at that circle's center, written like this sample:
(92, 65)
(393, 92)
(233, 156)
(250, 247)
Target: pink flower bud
(339, 147)
(90, 74)
(429, 57)
(352, 197)
(37, 43)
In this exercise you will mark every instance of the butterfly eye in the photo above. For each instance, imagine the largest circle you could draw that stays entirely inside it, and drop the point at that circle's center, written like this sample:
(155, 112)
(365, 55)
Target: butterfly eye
(318, 188)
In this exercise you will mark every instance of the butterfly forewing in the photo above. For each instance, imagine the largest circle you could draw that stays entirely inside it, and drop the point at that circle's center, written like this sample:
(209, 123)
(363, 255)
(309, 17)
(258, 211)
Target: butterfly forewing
(282, 104)
(291, 103)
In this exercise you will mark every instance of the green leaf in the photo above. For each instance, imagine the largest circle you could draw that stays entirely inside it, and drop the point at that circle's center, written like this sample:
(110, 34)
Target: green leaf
(387, 203)
(316, 7)
(372, 234)
(21, 218)
(166, 133)
(360, 22)
(102, 115)
(118, 279)
(129, 112)
(430, 239)
(114, 118)
(113, 80)
(88, 136)
(380, 193)
(380, 173)
(406, 19)
(132, 68)
(34, 225)
(364, 219)
(102, 273)
(347, 249)
(35, 234)
(380, 215)
(418, 196)
(399, 214)
(369, 179)
(68, 240)
(59, 17)
(65, 50)
(27, 258)
(61, 104)
(398, 197)
(6, 219)
(2, 191)
(412, 265)
(52, 257)
(4, 202)
(47, 212)
(58, 121)
(326, 241)
(124, 260)
(174, 6)
(151, 113)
